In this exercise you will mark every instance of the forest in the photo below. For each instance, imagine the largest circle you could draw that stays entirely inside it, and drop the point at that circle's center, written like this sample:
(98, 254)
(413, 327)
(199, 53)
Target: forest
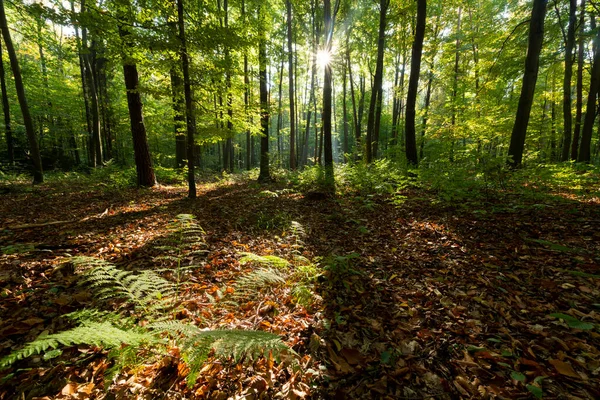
(285, 199)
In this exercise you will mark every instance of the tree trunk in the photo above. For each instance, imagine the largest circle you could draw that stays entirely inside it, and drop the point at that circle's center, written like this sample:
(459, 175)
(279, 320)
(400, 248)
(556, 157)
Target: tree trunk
(264, 174)
(279, 114)
(590, 113)
(413, 84)
(345, 111)
(38, 175)
(291, 87)
(375, 105)
(579, 101)
(189, 101)
(311, 99)
(354, 112)
(569, 44)
(532, 63)
(5, 108)
(327, 98)
(455, 83)
(143, 160)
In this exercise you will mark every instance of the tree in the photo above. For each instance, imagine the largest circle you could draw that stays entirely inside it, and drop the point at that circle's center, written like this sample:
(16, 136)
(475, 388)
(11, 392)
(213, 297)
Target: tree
(143, 160)
(579, 88)
(189, 103)
(36, 159)
(375, 105)
(532, 65)
(291, 86)
(10, 146)
(590, 113)
(264, 174)
(569, 39)
(413, 84)
(327, 89)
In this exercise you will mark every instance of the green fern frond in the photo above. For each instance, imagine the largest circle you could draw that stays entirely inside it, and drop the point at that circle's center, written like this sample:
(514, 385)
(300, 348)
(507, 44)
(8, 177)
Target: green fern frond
(143, 290)
(272, 261)
(101, 334)
(256, 280)
(175, 328)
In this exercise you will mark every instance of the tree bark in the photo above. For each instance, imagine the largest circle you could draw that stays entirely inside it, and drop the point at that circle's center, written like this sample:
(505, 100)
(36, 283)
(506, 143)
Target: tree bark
(579, 89)
(569, 44)
(291, 87)
(38, 175)
(532, 63)
(189, 102)
(6, 109)
(590, 113)
(413, 84)
(375, 105)
(143, 160)
(327, 89)
(264, 174)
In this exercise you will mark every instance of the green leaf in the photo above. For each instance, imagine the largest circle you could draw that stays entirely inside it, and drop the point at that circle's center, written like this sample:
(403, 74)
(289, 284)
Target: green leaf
(535, 390)
(52, 354)
(474, 349)
(573, 322)
(494, 340)
(517, 376)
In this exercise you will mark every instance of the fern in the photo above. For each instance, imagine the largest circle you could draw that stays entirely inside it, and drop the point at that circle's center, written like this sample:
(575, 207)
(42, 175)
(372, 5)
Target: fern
(144, 290)
(272, 261)
(256, 280)
(196, 344)
(101, 334)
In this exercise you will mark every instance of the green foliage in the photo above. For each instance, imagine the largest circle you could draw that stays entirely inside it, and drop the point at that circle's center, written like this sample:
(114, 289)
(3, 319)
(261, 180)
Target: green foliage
(17, 248)
(273, 261)
(101, 334)
(381, 177)
(196, 344)
(573, 322)
(145, 290)
(255, 281)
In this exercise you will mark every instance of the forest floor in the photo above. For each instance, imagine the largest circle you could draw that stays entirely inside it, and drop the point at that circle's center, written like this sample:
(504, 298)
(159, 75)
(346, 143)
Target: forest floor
(414, 297)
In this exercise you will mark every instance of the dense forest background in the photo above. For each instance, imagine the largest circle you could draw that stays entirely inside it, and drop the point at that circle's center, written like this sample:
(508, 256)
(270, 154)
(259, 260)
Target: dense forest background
(345, 82)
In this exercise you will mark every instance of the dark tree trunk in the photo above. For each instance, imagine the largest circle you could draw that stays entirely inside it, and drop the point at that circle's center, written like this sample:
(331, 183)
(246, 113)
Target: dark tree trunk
(569, 44)
(96, 142)
(375, 105)
(532, 63)
(246, 97)
(264, 174)
(189, 102)
(352, 95)
(327, 89)
(179, 123)
(590, 113)
(345, 111)
(143, 160)
(291, 87)
(579, 101)
(5, 108)
(455, 84)
(38, 175)
(413, 84)
(279, 114)
(311, 100)
(426, 112)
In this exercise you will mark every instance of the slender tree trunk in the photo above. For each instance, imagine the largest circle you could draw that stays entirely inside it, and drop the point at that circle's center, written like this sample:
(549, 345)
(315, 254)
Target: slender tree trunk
(96, 142)
(532, 63)
(375, 105)
(312, 98)
(178, 117)
(327, 98)
(569, 44)
(143, 160)
(279, 114)
(352, 95)
(455, 84)
(38, 175)
(426, 112)
(5, 108)
(189, 101)
(579, 89)
(590, 113)
(345, 112)
(413, 83)
(264, 174)
(291, 87)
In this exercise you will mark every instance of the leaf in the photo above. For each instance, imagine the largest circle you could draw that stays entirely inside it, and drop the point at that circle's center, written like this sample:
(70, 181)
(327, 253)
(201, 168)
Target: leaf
(475, 349)
(517, 376)
(573, 322)
(535, 390)
(564, 368)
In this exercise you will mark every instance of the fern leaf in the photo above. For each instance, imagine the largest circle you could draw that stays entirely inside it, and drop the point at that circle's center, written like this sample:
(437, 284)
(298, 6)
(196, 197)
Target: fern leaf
(101, 334)
(272, 261)
(253, 282)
